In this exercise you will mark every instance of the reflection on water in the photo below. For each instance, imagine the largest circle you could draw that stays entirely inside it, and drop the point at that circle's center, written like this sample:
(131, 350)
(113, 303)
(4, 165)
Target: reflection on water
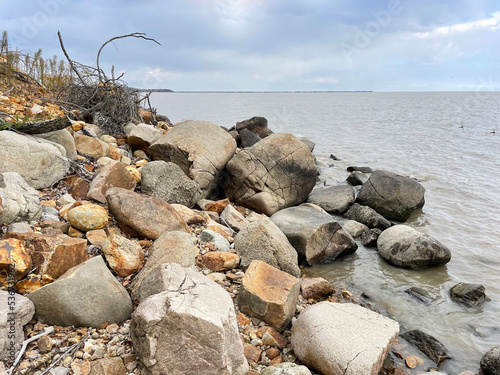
(441, 139)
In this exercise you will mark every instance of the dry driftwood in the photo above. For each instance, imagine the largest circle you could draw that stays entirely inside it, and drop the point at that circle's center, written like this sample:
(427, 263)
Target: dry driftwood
(38, 127)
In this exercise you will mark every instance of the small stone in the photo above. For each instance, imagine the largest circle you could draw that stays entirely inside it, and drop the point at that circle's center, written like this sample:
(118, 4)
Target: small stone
(220, 261)
(272, 353)
(276, 360)
(44, 344)
(252, 353)
(242, 320)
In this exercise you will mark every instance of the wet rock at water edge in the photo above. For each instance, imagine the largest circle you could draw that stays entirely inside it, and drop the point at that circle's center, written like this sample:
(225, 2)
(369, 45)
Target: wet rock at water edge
(471, 295)
(247, 138)
(420, 294)
(367, 216)
(357, 178)
(393, 196)
(369, 238)
(334, 199)
(427, 344)
(490, 363)
(257, 125)
(359, 169)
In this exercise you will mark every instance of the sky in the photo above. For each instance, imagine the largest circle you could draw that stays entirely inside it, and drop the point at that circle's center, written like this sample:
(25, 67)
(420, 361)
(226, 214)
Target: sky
(273, 45)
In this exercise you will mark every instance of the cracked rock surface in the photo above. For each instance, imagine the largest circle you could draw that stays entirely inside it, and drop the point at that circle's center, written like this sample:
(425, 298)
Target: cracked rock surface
(18, 200)
(277, 172)
(185, 315)
(336, 338)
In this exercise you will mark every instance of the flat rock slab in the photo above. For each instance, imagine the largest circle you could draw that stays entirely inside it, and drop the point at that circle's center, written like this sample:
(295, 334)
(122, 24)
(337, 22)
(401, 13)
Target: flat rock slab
(405, 247)
(143, 216)
(334, 338)
(368, 216)
(314, 234)
(268, 294)
(334, 199)
(186, 324)
(86, 295)
(200, 148)
(277, 172)
(393, 196)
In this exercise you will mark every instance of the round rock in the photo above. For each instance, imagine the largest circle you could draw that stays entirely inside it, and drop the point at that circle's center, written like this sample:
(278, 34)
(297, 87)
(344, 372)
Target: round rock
(88, 217)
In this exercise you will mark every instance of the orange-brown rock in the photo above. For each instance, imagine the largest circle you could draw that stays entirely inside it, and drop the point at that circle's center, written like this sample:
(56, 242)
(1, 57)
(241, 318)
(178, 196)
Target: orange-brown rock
(108, 366)
(221, 229)
(271, 337)
(220, 261)
(136, 174)
(215, 206)
(15, 261)
(268, 294)
(146, 116)
(276, 361)
(75, 233)
(91, 147)
(189, 215)
(272, 353)
(113, 174)
(315, 287)
(143, 216)
(124, 256)
(32, 282)
(96, 237)
(77, 187)
(53, 255)
(242, 320)
(88, 217)
(252, 353)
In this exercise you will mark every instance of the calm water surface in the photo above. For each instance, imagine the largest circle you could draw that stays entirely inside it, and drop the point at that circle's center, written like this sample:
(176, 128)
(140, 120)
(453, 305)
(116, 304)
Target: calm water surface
(441, 138)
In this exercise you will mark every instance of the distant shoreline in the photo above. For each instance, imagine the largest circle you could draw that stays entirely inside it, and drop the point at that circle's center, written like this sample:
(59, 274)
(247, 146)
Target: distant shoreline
(245, 92)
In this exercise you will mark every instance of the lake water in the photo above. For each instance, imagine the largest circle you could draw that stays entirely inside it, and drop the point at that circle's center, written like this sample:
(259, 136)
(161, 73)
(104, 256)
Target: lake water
(444, 140)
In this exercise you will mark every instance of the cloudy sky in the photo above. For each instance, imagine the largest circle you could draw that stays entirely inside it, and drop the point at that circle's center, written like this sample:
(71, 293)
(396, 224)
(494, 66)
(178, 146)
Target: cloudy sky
(267, 45)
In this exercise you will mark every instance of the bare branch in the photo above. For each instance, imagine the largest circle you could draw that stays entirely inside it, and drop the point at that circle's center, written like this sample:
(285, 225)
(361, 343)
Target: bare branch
(71, 64)
(133, 35)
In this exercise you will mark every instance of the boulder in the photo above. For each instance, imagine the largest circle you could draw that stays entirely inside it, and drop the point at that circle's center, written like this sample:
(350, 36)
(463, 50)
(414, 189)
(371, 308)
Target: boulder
(167, 181)
(315, 235)
(171, 247)
(86, 295)
(88, 217)
(233, 218)
(275, 173)
(471, 295)
(113, 174)
(18, 200)
(334, 199)
(186, 324)
(142, 136)
(15, 312)
(427, 344)
(308, 143)
(154, 217)
(286, 368)
(393, 196)
(359, 169)
(357, 178)
(52, 255)
(200, 148)
(124, 256)
(268, 294)
(15, 261)
(220, 243)
(77, 187)
(220, 261)
(367, 216)
(405, 247)
(247, 138)
(91, 147)
(354, 228)
(47, 160)
(262, 240)
(64, 138)
(257, 125)
(490, 363)
(370, 237)
(335, 338)
(315, 288)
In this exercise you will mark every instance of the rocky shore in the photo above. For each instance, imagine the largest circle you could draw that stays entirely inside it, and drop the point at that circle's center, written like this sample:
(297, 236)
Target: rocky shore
(179, 249)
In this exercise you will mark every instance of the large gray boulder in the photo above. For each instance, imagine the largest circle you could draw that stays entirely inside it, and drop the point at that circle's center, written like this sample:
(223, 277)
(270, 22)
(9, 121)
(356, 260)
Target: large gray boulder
(393, 196)
(367, 216)
(405, 247)
(12, 322)
(314, 234)
(490, 363)
(334, 338)
(41, 163)
(167, 181)
(200, 148)
(186, 324)
(275, 173)
(87, 295)
(18, 200)
(171, 247)
(263, 240)
(257, 125)
(334, 199)
(65, 139)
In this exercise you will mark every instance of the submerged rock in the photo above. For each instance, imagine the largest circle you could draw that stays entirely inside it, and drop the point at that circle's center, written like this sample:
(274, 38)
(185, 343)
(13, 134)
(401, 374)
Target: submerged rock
(490, 363)
(427, 344)
(405, 247)
(471, 295)
(367, 216)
